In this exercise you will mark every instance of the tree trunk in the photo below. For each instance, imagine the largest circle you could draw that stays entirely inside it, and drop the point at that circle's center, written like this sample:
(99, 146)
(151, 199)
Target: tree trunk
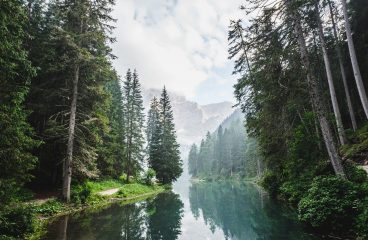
(71, 132)
(259, 171)
(316, 94)
(354, 61)
(335, 104)
(342, 69)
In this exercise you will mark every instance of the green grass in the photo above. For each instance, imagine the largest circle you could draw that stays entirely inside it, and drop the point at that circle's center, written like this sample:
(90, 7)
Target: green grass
(104, 185)
(49, 208)
(135, 189)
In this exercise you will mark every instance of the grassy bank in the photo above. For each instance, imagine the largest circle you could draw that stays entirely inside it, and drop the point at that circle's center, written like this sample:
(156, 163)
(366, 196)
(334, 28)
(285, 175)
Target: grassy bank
(29, 219)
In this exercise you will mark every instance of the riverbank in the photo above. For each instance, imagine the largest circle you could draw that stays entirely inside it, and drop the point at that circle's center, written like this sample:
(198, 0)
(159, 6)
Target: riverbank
(38, 213)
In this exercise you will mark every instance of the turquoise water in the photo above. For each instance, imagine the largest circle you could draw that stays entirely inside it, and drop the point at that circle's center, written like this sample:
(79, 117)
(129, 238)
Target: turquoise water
(191, 211)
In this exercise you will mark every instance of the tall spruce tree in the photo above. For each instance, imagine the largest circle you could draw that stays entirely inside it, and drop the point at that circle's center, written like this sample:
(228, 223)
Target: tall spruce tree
(112, 152)
(16, 141)
(80, 63)
(193, 160)
(171, 163)
(134, 123)
(164, 155)
(153, 133)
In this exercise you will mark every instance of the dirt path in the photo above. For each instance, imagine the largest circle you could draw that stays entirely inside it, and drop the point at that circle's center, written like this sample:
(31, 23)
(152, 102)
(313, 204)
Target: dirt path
(109, 192)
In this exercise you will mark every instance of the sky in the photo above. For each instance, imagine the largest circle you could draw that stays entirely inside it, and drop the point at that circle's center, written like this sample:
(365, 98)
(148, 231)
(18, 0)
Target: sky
(181, 44)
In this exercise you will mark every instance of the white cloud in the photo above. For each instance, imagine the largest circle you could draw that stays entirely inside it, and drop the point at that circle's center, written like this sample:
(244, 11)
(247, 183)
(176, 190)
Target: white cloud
(177, 43)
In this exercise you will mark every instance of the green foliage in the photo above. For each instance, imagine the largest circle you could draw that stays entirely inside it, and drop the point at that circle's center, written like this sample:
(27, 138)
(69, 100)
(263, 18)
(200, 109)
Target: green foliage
(362, 219)
(293, 191)
(80, 193)
(112, 149)
(355, 173)
(163, 149)
(17, 222)
(358, 144)
(134, 189)
(228, 152)
(49, 208)
(17, 138)
(330, 204)
(149, 177)
(123, 177)
(97, 186)
(270, 182)
(134, 120)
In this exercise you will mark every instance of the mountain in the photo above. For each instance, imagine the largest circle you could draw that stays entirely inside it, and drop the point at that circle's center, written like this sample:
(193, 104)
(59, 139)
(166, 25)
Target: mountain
(236, 116)
(192, 120)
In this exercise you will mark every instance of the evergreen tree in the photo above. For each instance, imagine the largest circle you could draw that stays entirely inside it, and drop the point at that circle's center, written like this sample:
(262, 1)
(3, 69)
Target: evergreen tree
(164, 155)
(153, 122)
(226, 152)
(193, 160)
(112, 151)
(17, 141)
(154, 133)
(134, 123)
(73, 57)
(172, 163)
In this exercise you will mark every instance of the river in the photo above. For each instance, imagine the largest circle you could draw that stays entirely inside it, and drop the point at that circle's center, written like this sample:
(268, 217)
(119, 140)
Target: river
(218, 210)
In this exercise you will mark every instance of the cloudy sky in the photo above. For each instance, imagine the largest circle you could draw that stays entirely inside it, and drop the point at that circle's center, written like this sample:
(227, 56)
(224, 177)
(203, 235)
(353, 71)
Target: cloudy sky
(178, 43)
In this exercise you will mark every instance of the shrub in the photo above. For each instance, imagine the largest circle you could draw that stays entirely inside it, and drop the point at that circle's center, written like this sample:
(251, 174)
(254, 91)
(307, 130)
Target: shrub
(362, 219)
(150, 176)
(80, 193)
(293, 191)
(355, 174)
(330, 204)
(123, 177)
(270, 183)
(49, 208)
(17, 222)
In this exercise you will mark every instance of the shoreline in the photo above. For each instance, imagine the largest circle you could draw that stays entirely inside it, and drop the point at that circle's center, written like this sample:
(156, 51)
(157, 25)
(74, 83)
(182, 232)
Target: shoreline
(42, 221)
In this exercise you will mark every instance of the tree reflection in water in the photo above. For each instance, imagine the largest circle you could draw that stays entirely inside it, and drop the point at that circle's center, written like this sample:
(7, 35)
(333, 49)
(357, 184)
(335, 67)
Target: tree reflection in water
(157, 218)
(243, 211)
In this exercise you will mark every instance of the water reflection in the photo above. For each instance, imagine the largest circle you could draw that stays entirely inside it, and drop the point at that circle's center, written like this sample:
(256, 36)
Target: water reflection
(214, 211)
(165, 214)
(243, 211)
(158, 218)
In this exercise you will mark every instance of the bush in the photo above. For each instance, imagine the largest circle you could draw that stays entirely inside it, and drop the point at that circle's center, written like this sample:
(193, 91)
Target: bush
(293, 191)
(362, 219)
(49, 208)
(330, 204)
(150, 176)
(355, 174)
(80, 193)
(123, 177)
(270, 183)
(17, 222)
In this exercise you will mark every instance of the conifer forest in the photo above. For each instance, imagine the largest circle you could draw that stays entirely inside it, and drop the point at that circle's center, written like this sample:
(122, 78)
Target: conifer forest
(164, 120)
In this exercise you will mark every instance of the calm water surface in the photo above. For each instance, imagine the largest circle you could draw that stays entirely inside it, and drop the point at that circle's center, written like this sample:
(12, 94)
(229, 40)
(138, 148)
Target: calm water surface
(190, 212)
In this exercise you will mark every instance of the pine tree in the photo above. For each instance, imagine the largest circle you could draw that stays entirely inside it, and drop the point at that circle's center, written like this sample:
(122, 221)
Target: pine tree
(164, 155)
(153, 133)
(16, 134)
(354, 61)
(172, 163)
(134, 123)
(326, 59)
(112, 151)
(193, 160)
(80, 64)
